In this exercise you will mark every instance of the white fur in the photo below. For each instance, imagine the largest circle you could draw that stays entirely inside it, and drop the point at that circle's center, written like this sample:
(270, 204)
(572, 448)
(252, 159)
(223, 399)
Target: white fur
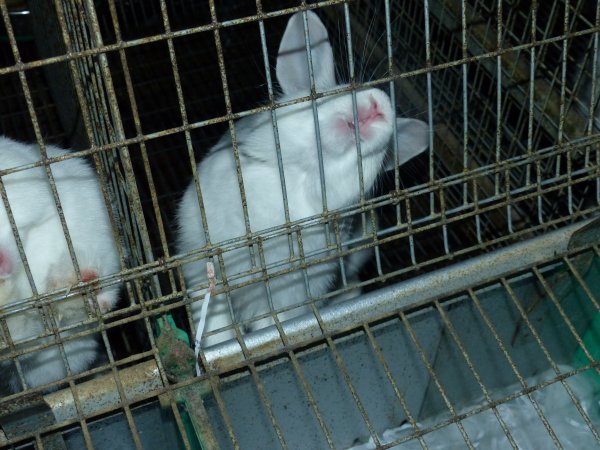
(47, 254)
(262, 184)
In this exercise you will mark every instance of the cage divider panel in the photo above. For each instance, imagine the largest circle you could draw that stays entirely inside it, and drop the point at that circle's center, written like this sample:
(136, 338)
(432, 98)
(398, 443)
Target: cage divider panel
(103, 122)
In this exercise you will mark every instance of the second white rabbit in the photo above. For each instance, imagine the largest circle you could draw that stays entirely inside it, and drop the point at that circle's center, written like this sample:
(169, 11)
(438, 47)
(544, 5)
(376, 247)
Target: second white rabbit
(40, 231)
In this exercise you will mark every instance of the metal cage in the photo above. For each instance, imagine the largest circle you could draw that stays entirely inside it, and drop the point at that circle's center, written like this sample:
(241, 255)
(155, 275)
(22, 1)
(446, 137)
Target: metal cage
(480, 298)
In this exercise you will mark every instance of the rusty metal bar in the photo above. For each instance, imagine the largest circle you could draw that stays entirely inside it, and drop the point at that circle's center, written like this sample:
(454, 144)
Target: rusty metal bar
(296, 364)
(348, 380)
(523, 313)
(223, 411)
(138, 128)
(394, 385)
(465, 355)
(434, 377)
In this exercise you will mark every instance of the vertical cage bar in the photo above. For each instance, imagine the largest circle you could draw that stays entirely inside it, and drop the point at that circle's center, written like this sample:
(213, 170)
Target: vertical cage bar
(537, 338)
(429, 105)
(313, 91)
(465, 84)
(450, 327)
(434, 378)
(271, 94)
(223, 410)
(499, 45)
(512, 364)
(230, 122)
(263, 396)
(381, 358)
(357, 139)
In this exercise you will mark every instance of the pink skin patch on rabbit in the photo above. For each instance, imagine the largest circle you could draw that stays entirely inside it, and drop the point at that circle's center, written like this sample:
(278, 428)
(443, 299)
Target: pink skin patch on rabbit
(5, 263)
(90, 275)
(367, 115)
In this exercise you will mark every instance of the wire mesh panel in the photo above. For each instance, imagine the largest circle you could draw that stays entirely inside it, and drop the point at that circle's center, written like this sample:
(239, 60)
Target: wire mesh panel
(390, 194)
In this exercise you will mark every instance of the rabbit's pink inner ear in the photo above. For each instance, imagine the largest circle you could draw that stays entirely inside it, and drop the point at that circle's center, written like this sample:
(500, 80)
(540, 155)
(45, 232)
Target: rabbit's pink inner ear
(5, 263)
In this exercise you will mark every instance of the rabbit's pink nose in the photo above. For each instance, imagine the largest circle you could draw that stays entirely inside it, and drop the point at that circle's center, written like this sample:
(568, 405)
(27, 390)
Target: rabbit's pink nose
(367, 114)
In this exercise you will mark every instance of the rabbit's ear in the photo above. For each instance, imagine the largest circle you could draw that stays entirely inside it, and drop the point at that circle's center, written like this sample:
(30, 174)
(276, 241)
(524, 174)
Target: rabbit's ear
(413, 139)
(292, 63)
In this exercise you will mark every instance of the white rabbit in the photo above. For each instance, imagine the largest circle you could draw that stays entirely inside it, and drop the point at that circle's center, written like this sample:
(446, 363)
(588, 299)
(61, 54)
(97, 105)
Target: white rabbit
(262, 184)
(47, 254)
